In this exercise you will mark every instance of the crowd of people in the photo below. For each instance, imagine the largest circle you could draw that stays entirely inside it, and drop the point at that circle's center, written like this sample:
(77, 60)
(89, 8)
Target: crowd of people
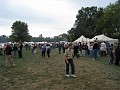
(95, 49)
(11, 50)
(71, 50)
(15, 51)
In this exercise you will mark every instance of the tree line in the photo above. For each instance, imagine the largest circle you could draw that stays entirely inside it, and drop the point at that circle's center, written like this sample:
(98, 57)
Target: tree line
(91, 21)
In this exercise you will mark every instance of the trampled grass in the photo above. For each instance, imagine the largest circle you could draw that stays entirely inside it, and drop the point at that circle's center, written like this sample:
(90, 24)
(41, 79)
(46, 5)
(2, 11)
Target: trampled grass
(35, 73)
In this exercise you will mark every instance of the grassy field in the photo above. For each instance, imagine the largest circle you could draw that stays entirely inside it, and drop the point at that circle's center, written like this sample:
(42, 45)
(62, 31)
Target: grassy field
(35, 73)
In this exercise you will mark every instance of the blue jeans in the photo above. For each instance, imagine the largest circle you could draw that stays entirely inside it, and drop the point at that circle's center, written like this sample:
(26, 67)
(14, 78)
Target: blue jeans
(70, 61)
(15, 53)
(91, 53)
(95, 53)
(111, 58)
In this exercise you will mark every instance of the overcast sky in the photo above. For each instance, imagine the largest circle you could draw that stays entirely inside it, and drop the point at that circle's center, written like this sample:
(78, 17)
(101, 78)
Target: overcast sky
(46, 17)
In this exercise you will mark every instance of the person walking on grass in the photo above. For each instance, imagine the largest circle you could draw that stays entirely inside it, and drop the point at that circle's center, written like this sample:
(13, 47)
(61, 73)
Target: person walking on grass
(48, 50)
(15, 49)
(69, 61)
(76, 50)
(117, 55)
(20, 46)
(111, 54)
(59, 47)
(95, 50)
(43, 50)
(9, 60)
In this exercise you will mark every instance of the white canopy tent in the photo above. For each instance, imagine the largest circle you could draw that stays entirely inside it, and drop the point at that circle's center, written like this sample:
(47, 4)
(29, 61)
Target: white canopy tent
(104, 38)
(82, 39)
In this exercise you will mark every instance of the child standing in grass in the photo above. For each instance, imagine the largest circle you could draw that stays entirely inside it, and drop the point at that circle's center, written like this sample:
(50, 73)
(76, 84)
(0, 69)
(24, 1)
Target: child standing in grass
(69, 61)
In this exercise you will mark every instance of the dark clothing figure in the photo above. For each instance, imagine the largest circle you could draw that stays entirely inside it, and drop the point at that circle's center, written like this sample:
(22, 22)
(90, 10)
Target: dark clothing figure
(20, 50)
(43, 50)
(111, 54)
(96, 46)
(86, 50)
(48, 51)
(4, 49)
(59, 47)
(70, 61)
(26, 46)
(9, 60)
(117, 54)
(76, 51)
(63, 49)
(1, 51)
(8, 50)
(95, 50)
(15, 49)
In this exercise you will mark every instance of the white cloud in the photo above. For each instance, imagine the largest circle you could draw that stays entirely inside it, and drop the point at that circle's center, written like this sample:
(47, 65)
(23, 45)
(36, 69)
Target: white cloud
(47, 17)
(56, 16)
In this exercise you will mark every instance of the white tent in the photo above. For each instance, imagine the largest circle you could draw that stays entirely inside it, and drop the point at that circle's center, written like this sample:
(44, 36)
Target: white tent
(82, 39)
(104, 38)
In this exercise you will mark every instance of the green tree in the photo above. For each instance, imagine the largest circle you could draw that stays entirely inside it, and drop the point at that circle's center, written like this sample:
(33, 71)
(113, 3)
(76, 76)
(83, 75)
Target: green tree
(20, 32)
(110, 20)
(85, 24)
(4, 39)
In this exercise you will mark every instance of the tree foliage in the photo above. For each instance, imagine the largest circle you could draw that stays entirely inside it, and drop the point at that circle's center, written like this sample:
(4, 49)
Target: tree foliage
(91, 21)
(86, 22)
(110, 20)
(4, 39)
(20, 32)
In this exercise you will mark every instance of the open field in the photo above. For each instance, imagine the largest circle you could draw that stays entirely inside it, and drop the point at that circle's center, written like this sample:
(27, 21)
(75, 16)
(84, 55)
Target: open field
(35, 73)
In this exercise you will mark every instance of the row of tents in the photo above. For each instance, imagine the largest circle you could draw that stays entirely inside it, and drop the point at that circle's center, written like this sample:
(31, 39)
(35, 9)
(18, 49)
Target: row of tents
(99, 38)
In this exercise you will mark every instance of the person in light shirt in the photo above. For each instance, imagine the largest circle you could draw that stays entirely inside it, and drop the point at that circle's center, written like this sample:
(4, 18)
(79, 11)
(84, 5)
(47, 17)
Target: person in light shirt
(103, 49)
(69, 61)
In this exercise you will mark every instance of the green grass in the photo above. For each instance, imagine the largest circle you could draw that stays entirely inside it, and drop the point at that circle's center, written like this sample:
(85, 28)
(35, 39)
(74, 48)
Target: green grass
(35, 73)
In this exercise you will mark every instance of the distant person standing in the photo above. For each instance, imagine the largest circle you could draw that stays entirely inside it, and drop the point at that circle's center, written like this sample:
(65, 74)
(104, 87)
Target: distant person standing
(103, 49)
(59, 47)
(43, 50)
(69, 60)
(15, 49)
(9, 60)
(20, 46)
(76, 50)
(90, 47)
(35, 48)
(48, 49)
(63, 47)
(95, 50)
(1, 49)
(80, 48)
(4, 49)
(83, 49)
(26, 46)
(111, 54)
(117, 55)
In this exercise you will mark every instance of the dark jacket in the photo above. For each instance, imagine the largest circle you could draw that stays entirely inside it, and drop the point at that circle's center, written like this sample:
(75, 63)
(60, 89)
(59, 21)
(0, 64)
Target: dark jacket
(8, 50)
(96, 46)
(117, 52)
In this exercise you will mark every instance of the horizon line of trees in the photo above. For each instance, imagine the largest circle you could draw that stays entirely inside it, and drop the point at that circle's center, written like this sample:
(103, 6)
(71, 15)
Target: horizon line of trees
(4, 39)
